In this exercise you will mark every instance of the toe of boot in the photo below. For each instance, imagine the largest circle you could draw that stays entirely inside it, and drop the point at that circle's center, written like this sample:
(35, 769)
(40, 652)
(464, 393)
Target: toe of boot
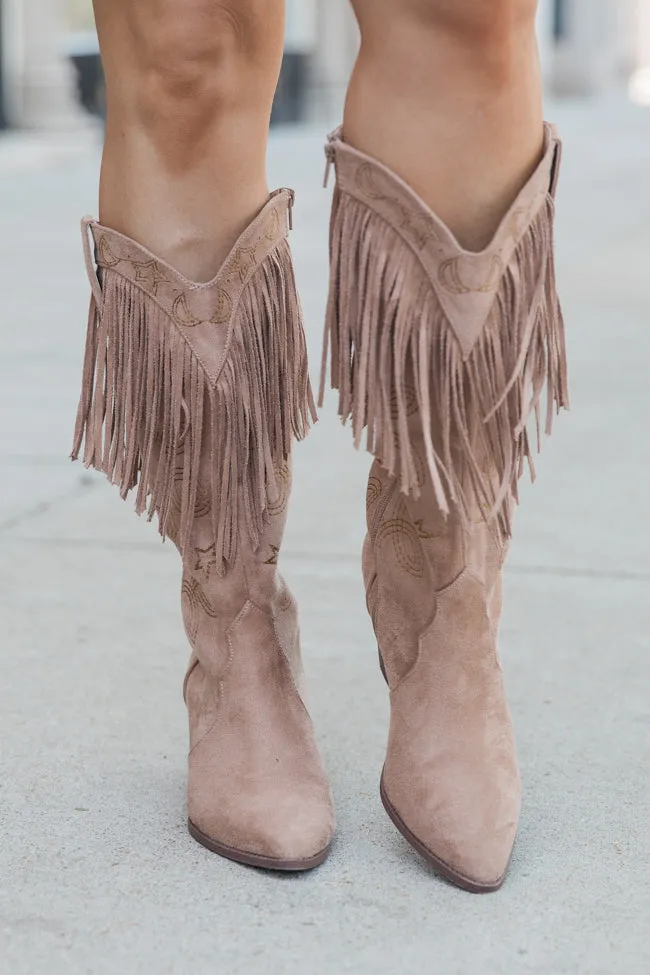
(297, 829)
(289, 830)
(464, 842)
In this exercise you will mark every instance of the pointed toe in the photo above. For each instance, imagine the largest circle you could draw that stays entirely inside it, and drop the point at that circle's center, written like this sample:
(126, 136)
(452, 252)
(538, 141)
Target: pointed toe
(288, 831)
(474, 858)
(294, 836)
(298, 830)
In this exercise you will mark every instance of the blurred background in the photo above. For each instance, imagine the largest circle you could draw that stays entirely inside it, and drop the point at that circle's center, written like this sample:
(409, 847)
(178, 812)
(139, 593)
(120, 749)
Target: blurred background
(97, 872)
(49, 61)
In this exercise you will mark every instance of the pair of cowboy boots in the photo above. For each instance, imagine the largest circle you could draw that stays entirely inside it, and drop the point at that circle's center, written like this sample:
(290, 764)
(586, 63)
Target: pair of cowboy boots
(192, 395)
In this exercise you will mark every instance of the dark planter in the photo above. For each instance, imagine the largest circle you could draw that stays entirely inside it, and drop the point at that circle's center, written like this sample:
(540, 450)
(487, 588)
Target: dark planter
(290, 104)
(3, 116)
(559, 19)
(91, 90)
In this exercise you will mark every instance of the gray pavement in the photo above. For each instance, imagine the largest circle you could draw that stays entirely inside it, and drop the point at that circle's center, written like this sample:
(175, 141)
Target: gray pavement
(97, 872)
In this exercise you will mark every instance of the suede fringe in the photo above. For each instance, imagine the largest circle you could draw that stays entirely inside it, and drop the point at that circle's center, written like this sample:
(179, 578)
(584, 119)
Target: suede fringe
(148, 413)
(395, 354)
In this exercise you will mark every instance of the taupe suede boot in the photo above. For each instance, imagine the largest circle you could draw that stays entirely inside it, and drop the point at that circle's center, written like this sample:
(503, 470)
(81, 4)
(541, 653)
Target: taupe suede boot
(192, 393)
(442, 356)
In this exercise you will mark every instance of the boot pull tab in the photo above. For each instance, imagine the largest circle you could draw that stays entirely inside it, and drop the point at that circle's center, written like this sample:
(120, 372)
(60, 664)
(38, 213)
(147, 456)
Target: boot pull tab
(290, 206)
(291, 200)
(90, 263)
(330, 156)
(555, 168)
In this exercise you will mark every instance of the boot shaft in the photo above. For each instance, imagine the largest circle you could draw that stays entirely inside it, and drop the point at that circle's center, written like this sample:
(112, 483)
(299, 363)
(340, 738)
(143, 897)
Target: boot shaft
(463, 343)
(193, 393)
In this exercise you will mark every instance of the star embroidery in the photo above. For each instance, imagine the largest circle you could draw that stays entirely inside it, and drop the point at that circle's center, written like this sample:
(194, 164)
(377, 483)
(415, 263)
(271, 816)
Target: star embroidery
(149, 273)
(275, 551)
(244, 261)
(206, 560)
(273, 225)
(421, 530)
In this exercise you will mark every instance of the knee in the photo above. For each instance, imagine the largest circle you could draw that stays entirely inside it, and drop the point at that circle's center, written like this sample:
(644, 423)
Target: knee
(197, 60)
(491, 36)
(479, 20)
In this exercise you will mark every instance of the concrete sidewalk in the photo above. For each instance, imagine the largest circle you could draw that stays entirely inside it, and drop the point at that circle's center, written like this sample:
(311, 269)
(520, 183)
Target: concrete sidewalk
(97, 872)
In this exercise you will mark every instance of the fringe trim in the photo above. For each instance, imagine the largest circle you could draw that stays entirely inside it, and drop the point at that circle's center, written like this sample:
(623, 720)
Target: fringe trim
(400, 371)
(150, 418)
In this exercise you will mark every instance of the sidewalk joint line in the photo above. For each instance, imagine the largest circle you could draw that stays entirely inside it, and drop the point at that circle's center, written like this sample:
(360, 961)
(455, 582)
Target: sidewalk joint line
(43, 507)
(329, 558)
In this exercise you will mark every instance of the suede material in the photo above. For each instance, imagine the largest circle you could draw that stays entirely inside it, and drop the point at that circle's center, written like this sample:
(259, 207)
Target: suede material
(468, 343)
(255, 777)
(434, 594)
(176, 371)
(256, 782)
(193, 393)
(433, 585)
(197, 308)
(451, 769)
(465, 282)
(441, 357)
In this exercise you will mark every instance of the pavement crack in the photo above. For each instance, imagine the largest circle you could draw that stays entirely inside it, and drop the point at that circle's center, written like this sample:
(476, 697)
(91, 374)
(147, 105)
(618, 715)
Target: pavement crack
(558, 571)
(43, 507)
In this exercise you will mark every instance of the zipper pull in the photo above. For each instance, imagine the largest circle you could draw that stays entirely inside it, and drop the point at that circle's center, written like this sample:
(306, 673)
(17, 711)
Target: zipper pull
(330, 155)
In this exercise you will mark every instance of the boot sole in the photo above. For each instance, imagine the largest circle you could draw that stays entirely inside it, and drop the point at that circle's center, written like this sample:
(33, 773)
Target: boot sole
(254, 859)
(442, 868)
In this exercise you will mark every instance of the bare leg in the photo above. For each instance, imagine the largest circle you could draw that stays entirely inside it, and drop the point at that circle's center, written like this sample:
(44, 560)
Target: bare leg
(447, 93)
(190, 85)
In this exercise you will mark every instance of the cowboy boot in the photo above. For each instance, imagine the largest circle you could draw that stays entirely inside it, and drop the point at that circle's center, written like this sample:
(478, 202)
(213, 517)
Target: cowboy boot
(192, 393)
(441, 355)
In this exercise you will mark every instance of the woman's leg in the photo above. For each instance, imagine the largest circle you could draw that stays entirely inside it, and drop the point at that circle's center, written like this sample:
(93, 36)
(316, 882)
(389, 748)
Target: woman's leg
(192, 395)
(441, 347)
(447, 93)
(190, 85)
